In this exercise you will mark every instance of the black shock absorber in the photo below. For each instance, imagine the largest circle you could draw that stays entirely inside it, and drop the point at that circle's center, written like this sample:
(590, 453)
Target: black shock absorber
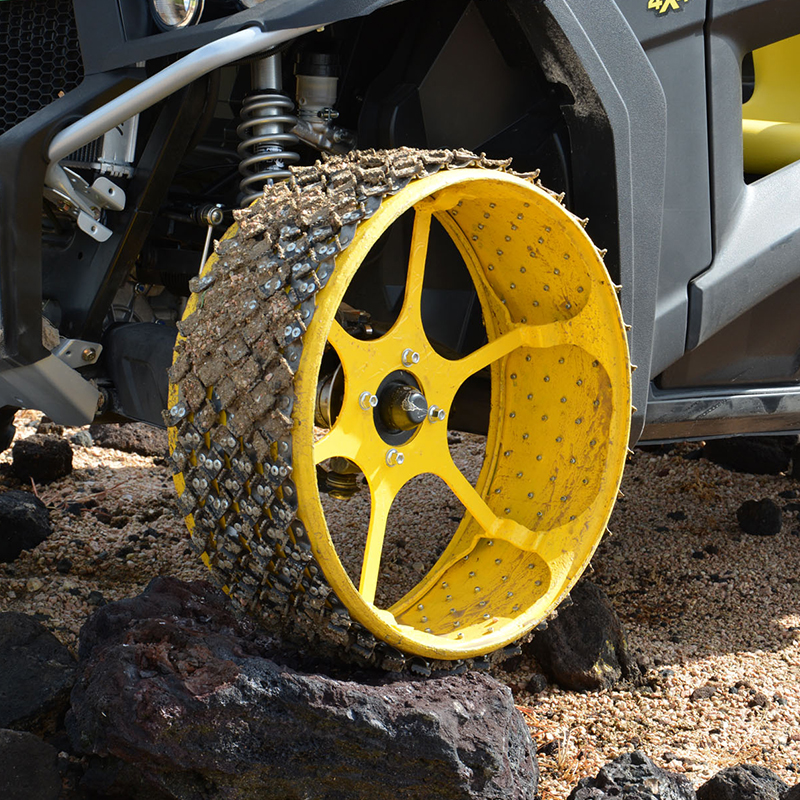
(265, 131)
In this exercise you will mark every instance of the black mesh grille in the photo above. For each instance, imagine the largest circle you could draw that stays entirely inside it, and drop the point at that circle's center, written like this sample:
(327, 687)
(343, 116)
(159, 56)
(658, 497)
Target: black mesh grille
(39, 56)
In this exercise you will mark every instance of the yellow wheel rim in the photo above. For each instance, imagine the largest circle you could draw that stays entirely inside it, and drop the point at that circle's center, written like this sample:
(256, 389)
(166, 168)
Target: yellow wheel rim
(558, 431)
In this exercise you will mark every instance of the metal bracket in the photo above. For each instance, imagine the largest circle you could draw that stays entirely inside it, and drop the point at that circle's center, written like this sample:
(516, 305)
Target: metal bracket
(77, 352)
(72, 193)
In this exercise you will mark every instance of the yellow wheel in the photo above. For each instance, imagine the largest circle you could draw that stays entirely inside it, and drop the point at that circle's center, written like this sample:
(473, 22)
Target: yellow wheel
(246, 396)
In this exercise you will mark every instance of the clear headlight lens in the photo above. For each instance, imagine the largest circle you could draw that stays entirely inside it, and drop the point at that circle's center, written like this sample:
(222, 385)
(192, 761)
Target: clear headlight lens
(171, 14)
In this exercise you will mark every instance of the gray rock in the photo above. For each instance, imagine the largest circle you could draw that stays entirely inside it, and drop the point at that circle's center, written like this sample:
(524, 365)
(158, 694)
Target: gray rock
(743, 782)
(131, 437)
(242, 725)
(82, 438)
(28, 767)
(42, 458)
(756, 455)
(633, 776)
(24, 523)
(759, 517)
(36, 675)
(584, 648)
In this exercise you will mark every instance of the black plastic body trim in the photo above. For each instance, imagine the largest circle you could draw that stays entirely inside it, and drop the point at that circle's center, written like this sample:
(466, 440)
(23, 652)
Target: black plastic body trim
(617, 127)
(756, 226)
(115, 36)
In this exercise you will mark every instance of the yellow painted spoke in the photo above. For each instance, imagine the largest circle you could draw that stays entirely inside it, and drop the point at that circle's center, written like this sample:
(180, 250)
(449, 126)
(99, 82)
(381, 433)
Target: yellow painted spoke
(380, 503)
(341, 340)
(550, 335)
(489, 353)
(336, 442)
(492, 525)
(412, 302)
(466, 493)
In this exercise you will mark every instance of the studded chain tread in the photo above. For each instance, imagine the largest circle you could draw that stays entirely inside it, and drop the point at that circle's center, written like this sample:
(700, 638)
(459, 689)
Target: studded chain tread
(234, 367)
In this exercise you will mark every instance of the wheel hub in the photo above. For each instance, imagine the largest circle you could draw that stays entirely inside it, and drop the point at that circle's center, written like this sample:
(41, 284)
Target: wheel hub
(402, 407)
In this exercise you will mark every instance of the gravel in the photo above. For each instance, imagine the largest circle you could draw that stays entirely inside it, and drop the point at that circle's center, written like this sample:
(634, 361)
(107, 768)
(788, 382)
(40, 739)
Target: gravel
(703, 604)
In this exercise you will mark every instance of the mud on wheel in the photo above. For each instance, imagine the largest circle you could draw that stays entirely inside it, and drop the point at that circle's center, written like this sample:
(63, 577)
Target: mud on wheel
(246, 396)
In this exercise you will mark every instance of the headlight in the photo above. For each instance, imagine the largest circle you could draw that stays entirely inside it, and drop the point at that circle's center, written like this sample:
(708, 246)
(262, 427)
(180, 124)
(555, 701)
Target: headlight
(170, 14)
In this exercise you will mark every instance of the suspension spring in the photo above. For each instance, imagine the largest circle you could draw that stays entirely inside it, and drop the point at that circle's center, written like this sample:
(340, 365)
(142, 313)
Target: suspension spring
(265, 131)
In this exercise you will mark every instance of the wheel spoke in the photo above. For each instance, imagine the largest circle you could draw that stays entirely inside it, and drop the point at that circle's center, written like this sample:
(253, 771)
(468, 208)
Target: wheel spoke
(381, 497)
(489, 353)
(341, 340)
(412, 301)
(534, 336)
(492, 525)
(469, 497)
(337, 442)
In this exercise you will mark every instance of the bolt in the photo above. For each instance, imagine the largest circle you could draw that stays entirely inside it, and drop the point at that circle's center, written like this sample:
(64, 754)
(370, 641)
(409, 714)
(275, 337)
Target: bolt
(367, 400)
(409, 357)
(89, 354)
(436, 414)
(394, 456)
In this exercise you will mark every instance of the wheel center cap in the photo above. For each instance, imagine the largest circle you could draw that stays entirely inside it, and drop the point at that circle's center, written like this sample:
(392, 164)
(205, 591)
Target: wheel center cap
(402, 407)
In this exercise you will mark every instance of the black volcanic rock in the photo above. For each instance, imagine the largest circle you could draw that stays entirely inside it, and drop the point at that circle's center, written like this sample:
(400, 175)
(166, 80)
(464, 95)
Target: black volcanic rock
(633, 776)
(24, 523)
(187, 700)
(28, 767)
(42, 458)
(584, 647)
(743, 782)
(131, 437)
(756, 455)
(36, 675)
(759, 517)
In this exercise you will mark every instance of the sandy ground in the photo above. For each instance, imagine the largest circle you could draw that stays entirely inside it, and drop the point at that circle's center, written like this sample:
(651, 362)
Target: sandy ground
(701, 603)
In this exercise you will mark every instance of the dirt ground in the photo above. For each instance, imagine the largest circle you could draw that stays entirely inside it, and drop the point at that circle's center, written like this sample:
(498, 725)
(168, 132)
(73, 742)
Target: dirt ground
(701, 603)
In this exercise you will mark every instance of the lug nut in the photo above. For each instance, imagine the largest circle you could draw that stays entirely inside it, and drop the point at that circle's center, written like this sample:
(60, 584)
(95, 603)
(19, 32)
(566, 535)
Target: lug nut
(409, 357)
(394, 456)
(436, 414)
(367, 400)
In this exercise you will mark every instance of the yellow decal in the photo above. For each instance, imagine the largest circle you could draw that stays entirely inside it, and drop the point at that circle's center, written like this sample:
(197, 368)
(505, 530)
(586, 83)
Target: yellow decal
(663, 6)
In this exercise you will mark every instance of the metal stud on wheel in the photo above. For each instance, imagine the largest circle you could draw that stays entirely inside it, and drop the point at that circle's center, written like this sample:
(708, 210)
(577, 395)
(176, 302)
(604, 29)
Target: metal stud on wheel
(557, 434)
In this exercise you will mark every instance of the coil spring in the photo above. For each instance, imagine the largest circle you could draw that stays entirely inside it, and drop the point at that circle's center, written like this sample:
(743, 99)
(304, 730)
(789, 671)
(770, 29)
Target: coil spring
(265, 133)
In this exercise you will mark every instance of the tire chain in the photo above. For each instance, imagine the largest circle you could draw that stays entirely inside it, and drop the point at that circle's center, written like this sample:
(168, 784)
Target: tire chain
(234, 368)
